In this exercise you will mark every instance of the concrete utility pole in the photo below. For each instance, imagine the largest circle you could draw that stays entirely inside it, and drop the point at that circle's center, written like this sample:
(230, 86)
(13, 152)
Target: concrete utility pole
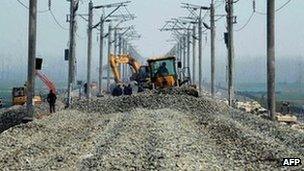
(188, 49)
(200, 52)
(271, 58)
(122, 45)
(115, 41)
(125, 49)
(179, 51)
(116, 44)
(100, 56)
(71, 77)
(109, 53)
(184, 51)
(119, 52)
(212, 27)
(194, 54)
(230, 22)
(181, 55)
(31, 59)
(123, 52)
(90, 29)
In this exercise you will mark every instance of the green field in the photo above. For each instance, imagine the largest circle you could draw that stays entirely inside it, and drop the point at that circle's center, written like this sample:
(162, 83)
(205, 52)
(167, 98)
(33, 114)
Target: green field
(285, 91)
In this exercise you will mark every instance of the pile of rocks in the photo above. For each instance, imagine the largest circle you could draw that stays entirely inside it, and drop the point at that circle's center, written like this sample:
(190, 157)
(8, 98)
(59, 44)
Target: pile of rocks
(15, 114)
(251, 107)
(109, 104)
(11, 117)
(150, 131)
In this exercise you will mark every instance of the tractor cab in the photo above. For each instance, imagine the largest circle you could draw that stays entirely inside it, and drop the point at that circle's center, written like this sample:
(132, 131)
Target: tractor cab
(163, 72)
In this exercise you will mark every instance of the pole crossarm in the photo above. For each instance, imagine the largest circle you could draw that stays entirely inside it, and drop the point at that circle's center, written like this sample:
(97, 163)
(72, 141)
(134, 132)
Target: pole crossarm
(131, 16)
(194, 7)
(189, 20)
(113, 5)
(117, 6)
(105, 18)
(128, 29)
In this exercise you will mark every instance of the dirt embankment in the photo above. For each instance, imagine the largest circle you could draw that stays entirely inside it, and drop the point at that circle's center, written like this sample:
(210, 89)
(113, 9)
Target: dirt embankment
(15, 114)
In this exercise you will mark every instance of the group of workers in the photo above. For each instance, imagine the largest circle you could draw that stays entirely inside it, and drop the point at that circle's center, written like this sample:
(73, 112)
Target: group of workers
(122, 90)
(117, 91)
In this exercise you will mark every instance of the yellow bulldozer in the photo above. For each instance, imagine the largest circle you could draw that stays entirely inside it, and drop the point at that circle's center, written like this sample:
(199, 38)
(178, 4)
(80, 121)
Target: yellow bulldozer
(19, 97)
(159, 73)
(19, 93)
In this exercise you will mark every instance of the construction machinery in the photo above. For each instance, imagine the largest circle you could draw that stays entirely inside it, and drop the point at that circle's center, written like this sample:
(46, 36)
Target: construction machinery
(19, 96)
(19, 93)
(159, 73)
(140, 73)
(163, 72)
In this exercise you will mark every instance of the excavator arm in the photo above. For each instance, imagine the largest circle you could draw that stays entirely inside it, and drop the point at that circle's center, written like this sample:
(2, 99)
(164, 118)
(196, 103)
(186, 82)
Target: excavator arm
(46, 81)
(19, 93)
(116, 60)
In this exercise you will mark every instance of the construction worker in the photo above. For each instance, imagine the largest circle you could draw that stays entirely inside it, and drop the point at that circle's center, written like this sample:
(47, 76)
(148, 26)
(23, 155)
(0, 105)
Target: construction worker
(51, 99)
(162, 70)
(85, 86)
(128, 90)
(117, 91)
(285, 109)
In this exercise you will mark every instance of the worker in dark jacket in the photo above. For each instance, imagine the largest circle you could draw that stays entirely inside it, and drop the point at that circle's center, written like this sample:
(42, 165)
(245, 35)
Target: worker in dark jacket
(117, 91)
(85, 86)
(162, 71)
(128, 90)
(51, 99)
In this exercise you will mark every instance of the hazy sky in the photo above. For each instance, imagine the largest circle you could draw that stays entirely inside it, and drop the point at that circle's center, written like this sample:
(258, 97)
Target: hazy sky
(151, 14)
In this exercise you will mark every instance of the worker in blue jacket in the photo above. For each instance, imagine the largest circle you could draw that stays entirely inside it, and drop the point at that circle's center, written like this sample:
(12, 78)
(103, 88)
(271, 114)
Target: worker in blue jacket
(117, 91)
(128, 90)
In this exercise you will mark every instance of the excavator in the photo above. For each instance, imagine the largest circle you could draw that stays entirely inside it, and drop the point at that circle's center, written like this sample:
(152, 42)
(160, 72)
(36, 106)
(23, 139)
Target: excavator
(159, 73)
(19, 93)
(140, 73)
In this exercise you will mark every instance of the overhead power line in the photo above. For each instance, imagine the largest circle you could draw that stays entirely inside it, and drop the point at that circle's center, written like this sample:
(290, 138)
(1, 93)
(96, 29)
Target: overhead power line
(261, 13)
(45, 11)
(277, 10)
(283, 6)
(56, 21)
(247, 22)
(22, 4)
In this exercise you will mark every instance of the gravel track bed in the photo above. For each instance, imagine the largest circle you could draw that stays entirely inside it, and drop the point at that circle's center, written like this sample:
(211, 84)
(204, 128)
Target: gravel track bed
(156, 140)
(54, 143)
(149, 132)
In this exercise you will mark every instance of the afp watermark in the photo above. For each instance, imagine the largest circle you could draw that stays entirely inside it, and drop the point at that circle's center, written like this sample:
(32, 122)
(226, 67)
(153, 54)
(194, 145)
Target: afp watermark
(291, 162)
